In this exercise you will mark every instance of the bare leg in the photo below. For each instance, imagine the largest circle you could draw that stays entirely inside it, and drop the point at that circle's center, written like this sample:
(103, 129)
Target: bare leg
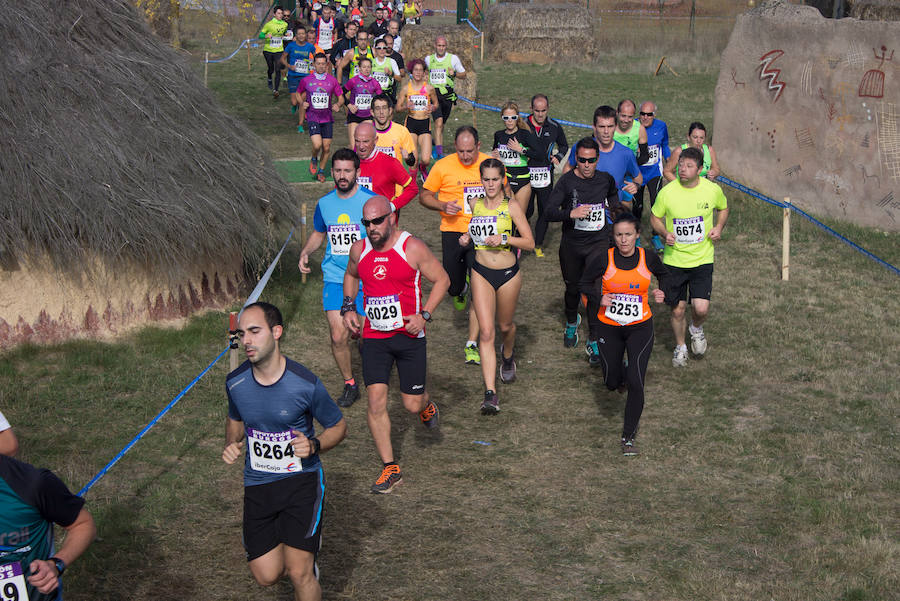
(484, 302)
(678, 322)
(299, 566)
(340, 346)
(379, 421)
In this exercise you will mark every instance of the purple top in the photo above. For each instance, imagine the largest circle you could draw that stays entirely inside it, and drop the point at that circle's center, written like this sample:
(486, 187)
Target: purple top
(364, 91)
(319, 91)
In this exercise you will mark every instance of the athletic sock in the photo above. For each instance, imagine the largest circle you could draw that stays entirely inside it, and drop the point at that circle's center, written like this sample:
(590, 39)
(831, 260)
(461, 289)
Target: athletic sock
(351, 381)
(683, 347)
(387, 463)
(439, 148)
(471, 343)
(695, 330)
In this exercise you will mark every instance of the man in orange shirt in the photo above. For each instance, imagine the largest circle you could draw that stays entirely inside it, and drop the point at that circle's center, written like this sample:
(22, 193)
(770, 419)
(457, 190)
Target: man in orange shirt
(452, 181)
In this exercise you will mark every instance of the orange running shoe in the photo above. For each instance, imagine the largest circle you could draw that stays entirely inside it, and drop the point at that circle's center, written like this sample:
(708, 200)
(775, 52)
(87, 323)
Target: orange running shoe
(389, 478)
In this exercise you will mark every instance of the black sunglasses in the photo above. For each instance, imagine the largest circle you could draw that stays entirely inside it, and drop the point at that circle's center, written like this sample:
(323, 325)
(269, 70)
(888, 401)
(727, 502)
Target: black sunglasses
(377, 221)
(643, 114)
(587, 159)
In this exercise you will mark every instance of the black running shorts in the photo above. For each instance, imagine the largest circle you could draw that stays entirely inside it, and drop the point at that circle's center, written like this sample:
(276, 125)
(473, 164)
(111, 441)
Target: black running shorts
(285, 511)
(380, 354)
(686, 283)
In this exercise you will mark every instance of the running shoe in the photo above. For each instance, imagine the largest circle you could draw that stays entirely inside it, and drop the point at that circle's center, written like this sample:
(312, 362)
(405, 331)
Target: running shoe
(629, 449)
(270, 84)
(430, 416)
(593, 352)
(507, 367)
(349, 396)
(275, 94)
(293, 109)
(657, 243)
(459, 302)
(570, 334)
(299, 129)
(538, 252)
(679, 357)
(490, 405)
(698, 342)
(473, 357)
(313, 166)
(434, 153)
(389, 478)
(320, 176)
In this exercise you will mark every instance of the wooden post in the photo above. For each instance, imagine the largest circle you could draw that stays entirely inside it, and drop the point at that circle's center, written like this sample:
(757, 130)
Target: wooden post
(206, 71)
(786, 241)
(482, 46)
(248, 55)
(303, 233)
(233, 358)
(473, 115)
(659, 66)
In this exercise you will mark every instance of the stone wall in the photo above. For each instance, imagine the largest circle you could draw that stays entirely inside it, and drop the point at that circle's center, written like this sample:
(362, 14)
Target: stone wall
(809, 108)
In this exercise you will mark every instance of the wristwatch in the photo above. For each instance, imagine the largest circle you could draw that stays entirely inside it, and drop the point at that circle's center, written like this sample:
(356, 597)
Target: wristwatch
(315, 445)
(426, 315)
(60, 565)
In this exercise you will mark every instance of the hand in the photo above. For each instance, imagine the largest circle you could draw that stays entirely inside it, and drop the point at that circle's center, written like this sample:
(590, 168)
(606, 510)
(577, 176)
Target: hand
(580, 212)
(432, 108)
(351, 322)
(304, 264)
(495, 154)
(450, 72)
(630, 187)
(352, 108)
(302, 447)
(715, 233)
(305, 105)
(494, 240)
(232, 452)
(670, 238)
(514, 144)
(659, 296)
(451, 208)
(605, 300)
(711, 177)
(414, 323)
(465, 239)
(335, 108)
(555, 161)
(409, 105)
(44, 575)
(268, 35)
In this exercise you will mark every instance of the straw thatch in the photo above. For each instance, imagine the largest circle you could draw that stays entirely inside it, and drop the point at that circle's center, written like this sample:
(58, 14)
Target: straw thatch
(418, 42)
(116, 159)
(875, 10)
(538, 33)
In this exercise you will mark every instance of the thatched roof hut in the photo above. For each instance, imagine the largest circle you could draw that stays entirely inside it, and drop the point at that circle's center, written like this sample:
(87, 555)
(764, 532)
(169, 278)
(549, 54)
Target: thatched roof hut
(127, 193)
(539, 33)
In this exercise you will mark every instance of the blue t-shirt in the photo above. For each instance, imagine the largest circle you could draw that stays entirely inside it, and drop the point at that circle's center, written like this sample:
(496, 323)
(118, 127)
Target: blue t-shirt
(298, 55)
(658, 147)
(291, 403)
(618, 162)
(340, 219)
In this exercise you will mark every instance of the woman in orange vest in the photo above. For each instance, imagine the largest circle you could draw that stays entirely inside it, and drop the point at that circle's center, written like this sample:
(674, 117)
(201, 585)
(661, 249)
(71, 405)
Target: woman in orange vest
(616, 282)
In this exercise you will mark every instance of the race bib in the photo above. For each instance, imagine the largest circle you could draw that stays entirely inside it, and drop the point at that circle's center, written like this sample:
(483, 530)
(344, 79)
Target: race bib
(383, 79)
(301, 66)
(508, 156)
(319, 100)
(12, 583)
(365, 182)
(482, 227)
(689, 230)
(470, 192)
(342, 237)
(654, 154)
(419, 102)
(595, 220)
(275, 42)
(410, 21)
(438, 77)
(388, 150)
(625, 308)
(272, 452)
(363, 101)
(325, 39)
(383, 312)
(540, 177)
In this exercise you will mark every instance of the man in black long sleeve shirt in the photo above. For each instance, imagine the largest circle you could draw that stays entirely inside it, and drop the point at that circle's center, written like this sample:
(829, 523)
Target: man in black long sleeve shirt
(585, 200)
(553, 146)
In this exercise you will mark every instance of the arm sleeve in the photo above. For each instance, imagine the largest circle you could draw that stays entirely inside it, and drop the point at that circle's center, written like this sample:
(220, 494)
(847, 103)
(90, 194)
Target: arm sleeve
(410, 188)
(562, 145)
(721, 202)
(233, 412)
(572, 158)
(457, 64)
(656, 266)
(643, 154)
(323, 407)
(395, 67)
(319, 221)
(666, 151)
(4, 423)
(433, 181)
(264, 31)
(553, 210)
(532, 144)
(496, 140)
(55, 501)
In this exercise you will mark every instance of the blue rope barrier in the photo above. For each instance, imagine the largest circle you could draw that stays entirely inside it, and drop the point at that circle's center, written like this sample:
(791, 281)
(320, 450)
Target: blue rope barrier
(230, 56)
(473, 26)
(134, 440)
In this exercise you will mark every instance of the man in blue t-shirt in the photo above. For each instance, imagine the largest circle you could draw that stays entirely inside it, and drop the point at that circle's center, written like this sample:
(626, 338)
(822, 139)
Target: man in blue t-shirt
(615, 159)
(658, 152)
(338, 220)
(297, 60)
(272, 402)
(31, 501)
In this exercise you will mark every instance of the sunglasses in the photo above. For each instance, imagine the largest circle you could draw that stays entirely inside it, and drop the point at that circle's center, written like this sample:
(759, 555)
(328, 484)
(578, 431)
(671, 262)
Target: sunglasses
(643, 114)
(587, 159)
(377, 221)
(380, 47)
(509, 117)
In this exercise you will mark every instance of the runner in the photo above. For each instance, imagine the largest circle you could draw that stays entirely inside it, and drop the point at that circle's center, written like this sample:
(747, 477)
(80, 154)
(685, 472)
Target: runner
(496, 280)
(358, 13)
(343, 44)
(390, 263)
(326, 28)
(420, 100)
(696, 139)
(652, 171)
(616, 282)
(272, 401)
(443, 70)
(393, 51)
(360, 90)
(381, 173)
(553, 147)
(385, 70)
(297, 60)
(515, 145)
(412, 13)
(336, 221)
(379, 26)
(451, 183)
(392, 138)
(273, 33)
(615, 159)
(687, 207)
(585, 200)
(396, 39)
(353, 56)
(630, 134)
(317, 93)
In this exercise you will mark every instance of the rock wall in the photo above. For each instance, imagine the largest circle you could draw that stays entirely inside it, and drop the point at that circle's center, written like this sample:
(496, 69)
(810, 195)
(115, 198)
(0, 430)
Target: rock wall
(809, 108)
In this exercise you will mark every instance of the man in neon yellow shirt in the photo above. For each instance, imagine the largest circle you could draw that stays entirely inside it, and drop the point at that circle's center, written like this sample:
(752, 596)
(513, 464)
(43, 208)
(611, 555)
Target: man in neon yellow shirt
(683, 217)
(273, 33)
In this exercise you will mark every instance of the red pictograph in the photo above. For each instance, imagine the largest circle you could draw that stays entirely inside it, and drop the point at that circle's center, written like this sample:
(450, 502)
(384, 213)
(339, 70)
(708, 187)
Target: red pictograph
(767, 72)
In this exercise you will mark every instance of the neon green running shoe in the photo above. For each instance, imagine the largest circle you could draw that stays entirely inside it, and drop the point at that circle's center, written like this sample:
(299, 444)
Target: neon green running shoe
(473, 357)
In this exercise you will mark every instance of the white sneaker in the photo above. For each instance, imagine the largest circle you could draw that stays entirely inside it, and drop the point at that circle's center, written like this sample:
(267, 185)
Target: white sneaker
(680, 357)
(698, 342)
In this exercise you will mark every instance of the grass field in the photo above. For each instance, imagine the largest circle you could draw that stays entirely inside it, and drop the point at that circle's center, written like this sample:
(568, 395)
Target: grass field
(769, 469)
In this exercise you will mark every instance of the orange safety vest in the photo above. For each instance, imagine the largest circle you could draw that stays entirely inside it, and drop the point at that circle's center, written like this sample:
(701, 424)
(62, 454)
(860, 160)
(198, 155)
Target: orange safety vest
(630, 290)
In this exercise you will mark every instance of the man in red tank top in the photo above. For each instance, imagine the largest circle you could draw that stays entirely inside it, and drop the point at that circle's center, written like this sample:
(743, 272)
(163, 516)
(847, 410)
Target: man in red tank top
(390, 263)
(380, 173)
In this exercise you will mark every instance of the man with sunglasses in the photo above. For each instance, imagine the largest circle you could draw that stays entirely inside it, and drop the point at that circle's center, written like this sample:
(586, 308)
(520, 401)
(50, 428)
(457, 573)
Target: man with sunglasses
(652, 171)
(336, 221)
(381, 173)
(586, 201)
(390, 263)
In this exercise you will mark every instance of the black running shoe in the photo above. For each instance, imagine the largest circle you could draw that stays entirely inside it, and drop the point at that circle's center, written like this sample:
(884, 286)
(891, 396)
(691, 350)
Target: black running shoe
(349, 396)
